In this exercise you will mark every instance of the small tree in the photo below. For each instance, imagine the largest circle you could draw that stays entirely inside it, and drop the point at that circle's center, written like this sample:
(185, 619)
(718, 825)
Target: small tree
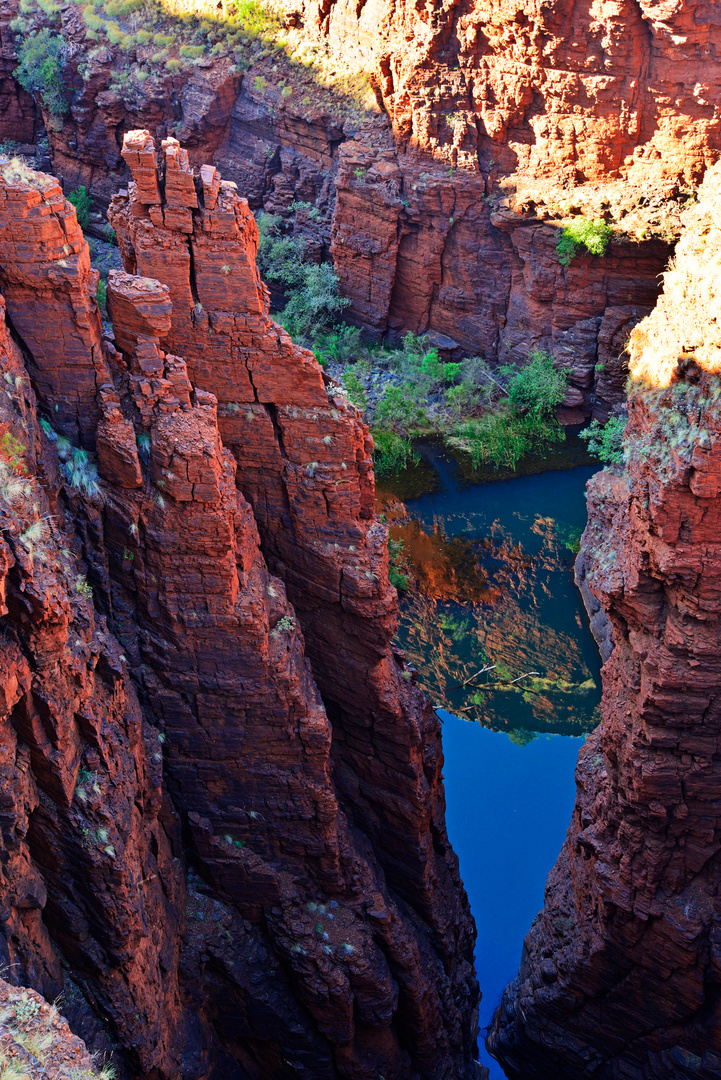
(539, 387)
(605, 441)
(40, 70)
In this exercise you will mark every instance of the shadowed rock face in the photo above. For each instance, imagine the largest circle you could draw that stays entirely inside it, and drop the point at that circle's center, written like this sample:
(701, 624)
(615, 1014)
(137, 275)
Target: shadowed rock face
(620, 974)
(224, 805)
(441, 211)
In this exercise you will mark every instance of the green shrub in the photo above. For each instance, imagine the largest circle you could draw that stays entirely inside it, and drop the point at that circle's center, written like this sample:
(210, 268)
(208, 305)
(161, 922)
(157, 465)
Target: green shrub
(40, 70)
(173, 64)
(164, 40)
(93, 21)
(192, 51)
(339, 345)
(254, 19)
(397, 408)
(594, 236)
(461, 398)
(539, 387)
(143, 37)
(113, 33)
(313, 300)
(605, 441)
(82, 202)
(420, 367)
(355, 388)
(393, 453)
(119, 8)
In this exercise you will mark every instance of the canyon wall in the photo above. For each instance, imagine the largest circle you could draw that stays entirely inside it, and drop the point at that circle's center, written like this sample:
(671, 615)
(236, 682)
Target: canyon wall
(224, 808)
(621, 972)
(439, 202)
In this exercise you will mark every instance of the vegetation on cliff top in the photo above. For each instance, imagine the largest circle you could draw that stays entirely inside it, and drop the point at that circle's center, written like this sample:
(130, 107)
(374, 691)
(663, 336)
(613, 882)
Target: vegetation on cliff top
(582, 235)
(137, 43)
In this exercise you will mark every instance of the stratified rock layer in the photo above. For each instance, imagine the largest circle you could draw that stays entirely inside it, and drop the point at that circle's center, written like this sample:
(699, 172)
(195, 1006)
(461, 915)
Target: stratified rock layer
(496, 122)
(621, 971)
(587, 92)
(322, 930)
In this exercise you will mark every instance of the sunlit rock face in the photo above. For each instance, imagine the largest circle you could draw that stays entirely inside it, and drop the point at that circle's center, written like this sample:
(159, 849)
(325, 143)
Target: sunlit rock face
(482, 129)
(590, 92)
(620, 973)
(227, 846)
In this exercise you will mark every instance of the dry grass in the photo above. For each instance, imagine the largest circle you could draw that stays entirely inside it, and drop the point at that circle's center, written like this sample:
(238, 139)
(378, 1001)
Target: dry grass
(685, 321)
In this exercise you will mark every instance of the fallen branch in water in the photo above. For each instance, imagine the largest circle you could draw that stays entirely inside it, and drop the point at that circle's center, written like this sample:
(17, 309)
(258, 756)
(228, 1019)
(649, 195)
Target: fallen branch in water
(482, 671)
(505, 682)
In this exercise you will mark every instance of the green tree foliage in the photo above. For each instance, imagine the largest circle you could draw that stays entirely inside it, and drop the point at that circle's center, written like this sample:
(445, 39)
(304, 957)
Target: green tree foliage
(605, 441)
(40, 70)
(82, 201)
(538, 388)
(311, 289)
(591, 236)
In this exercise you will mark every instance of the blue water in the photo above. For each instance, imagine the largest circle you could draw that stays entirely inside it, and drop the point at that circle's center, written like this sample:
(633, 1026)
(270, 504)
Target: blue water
(491, 567)
(507, 811)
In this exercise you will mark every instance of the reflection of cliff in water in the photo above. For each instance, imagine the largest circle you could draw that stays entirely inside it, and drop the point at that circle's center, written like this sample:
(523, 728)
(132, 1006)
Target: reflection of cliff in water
(491, 584)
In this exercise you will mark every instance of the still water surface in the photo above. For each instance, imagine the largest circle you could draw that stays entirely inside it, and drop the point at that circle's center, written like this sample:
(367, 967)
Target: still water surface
(491, 586)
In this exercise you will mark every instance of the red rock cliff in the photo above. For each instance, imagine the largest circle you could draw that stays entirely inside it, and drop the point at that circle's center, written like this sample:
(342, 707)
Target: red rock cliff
(325, 931)
(621, 971)
(498, 121)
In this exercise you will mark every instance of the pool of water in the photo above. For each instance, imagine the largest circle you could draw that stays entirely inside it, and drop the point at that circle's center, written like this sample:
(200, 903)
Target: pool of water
(490, 573)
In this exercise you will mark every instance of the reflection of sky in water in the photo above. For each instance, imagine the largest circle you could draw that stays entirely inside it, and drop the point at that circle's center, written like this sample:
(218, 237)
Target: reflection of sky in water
(493, 569)
(507, 810)
(494, 563)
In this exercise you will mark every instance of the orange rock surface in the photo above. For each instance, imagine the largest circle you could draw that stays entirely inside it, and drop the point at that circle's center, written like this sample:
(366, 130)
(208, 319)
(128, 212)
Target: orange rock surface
(620, 972)
(300, 901)
(496, 122)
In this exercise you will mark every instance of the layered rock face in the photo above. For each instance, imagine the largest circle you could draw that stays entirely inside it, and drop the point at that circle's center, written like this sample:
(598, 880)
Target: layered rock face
(441, 212)
(92, 899)
(304, 465)
(620, 975)
(312, 921)
(586, 93)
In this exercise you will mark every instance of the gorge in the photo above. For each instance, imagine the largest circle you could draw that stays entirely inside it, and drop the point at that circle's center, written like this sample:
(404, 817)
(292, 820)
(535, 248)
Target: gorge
(223, 834)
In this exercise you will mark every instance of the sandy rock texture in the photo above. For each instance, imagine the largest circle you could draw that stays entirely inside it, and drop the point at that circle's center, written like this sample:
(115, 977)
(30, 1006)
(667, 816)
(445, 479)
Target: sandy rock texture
(231, 836)
(620, 971)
